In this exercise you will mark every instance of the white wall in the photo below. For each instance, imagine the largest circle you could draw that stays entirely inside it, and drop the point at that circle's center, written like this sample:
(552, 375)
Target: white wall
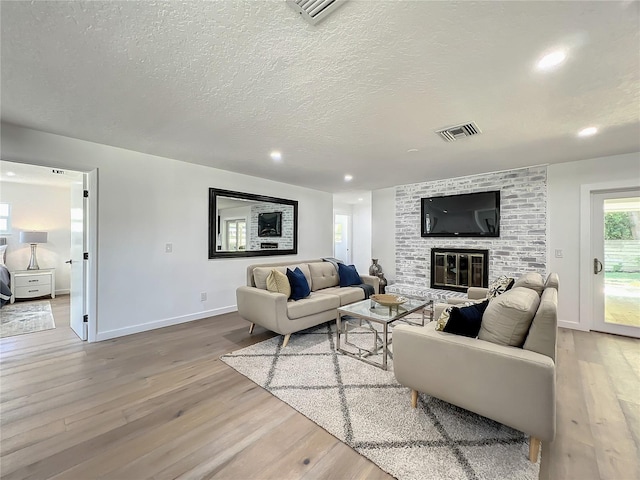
(144, 202)
(564, 184)
(43, 208)
(383, 230)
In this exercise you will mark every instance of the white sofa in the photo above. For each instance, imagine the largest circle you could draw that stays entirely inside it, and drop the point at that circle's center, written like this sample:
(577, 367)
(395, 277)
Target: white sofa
(274, 312)
(513, 385)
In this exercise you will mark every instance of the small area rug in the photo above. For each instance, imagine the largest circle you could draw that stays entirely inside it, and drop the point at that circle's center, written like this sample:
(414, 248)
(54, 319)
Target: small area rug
(28, 317)
(367, 409)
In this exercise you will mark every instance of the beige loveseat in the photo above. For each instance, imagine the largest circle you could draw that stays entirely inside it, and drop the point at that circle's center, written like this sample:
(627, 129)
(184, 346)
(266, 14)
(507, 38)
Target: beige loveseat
(274, 312)
(513, 385)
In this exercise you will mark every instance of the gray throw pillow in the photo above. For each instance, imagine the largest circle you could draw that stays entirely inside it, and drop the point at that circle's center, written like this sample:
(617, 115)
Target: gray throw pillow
(508, 317)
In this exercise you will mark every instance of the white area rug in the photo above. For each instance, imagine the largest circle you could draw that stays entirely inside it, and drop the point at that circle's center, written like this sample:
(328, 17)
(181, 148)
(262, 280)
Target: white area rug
(367, 409)
(19, 318)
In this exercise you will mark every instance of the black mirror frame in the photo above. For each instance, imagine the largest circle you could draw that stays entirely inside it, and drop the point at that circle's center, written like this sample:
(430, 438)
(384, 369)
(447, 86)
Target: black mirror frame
(213, 224)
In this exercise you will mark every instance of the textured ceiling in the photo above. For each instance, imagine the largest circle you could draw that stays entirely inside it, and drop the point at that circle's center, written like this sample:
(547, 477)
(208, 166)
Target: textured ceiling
(223, 83)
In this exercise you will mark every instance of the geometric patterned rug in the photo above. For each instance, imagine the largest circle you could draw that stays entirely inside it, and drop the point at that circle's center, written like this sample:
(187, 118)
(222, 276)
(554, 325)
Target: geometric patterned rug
(367, 409)
(28, 317)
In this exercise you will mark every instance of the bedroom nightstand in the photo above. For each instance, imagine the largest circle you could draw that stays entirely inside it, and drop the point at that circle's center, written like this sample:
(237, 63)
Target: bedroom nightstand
(33, 283)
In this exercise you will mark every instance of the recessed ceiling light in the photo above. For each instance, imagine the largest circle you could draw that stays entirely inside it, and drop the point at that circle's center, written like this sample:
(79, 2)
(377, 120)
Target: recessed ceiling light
(11, 174)
(551, 60)
(587, 132)
(348, 178)
(276, 156)
(412, 150)
(360, 199)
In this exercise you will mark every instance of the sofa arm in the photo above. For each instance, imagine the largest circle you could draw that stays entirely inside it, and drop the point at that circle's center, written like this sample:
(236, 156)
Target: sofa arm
(262, 307)
(371, 280)
(457, 300)
(477, 293)
(507, 384)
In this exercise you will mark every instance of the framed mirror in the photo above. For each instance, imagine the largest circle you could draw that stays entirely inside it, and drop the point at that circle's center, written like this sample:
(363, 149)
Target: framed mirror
(248, 225)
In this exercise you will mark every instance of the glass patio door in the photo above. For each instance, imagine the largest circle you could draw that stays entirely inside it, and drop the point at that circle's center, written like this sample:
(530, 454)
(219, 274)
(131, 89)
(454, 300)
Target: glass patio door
(615, 245)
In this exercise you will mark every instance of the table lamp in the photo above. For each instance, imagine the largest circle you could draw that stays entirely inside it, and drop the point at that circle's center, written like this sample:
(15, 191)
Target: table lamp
(34, 238)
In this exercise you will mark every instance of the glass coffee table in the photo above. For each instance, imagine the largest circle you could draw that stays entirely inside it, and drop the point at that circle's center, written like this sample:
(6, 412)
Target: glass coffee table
(379, 314)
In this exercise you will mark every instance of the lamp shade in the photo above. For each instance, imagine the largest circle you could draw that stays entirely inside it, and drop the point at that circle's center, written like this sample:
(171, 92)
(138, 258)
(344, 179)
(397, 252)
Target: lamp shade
(33, 237)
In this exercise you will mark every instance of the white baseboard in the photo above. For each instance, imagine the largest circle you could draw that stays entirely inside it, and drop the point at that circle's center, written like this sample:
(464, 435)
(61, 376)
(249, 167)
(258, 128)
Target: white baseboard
(167, 322)
(572, 325)
(63, 291)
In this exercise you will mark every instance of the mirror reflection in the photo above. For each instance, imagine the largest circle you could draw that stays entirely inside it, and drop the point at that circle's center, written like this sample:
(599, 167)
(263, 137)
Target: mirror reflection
(244, 224)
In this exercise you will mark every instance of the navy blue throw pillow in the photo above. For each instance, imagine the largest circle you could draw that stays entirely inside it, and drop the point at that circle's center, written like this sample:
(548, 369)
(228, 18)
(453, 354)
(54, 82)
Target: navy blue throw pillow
(348, 275)
(299, 285)
(466, 321)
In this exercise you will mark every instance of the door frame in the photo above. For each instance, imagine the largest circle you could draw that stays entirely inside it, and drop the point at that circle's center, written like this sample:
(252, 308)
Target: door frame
(586, 261)
(598, 199)
(91, 284)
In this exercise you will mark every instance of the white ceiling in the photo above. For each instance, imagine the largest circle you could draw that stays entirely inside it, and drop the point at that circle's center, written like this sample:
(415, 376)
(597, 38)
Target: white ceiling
(224, 83)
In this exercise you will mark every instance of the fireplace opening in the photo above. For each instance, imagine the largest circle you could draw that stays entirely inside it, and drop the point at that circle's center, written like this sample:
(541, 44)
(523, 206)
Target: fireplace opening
(458, 269)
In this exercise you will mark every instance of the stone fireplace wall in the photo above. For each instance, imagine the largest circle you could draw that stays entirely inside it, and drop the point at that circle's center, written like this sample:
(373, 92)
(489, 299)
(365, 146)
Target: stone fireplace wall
(521, 246)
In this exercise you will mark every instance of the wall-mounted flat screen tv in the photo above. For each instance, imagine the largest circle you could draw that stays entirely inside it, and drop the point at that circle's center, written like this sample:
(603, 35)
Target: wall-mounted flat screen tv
(270, 224)
(466, 215)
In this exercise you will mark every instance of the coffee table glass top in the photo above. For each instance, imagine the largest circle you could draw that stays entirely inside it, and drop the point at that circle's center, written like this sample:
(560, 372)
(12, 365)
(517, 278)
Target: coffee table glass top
(374, 311)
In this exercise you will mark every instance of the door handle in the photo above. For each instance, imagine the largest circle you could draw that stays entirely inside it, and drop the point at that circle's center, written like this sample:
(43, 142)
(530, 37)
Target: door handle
(69, 261)
(597, 266)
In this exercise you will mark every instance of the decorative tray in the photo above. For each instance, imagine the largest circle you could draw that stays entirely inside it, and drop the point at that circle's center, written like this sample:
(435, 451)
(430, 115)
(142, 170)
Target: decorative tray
(388, 300)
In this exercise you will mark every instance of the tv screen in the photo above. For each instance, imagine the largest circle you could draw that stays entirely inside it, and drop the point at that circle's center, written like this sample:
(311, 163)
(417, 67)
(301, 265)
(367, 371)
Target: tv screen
(270, 224)
(466, 215)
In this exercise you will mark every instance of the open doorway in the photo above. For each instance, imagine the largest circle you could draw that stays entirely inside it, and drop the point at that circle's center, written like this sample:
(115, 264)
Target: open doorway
(42, 226)
(342, 237)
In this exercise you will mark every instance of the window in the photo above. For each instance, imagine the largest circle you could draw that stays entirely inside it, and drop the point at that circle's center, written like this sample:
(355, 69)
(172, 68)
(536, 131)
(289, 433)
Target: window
(5, 219)
(236, 234)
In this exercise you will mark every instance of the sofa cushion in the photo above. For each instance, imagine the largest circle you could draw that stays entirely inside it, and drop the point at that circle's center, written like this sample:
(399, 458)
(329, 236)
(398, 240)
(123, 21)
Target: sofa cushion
(346, 295)
(278, 282)
(348, 275)
(542, 334)
(532, 280)
(299, 285)
(323, 275)
(260, 274)
(466, 320)
(314, 303)
(499, 286)
(507, 319)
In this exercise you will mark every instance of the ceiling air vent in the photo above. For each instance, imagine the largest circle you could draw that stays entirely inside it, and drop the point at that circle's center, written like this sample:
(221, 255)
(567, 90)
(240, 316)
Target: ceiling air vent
(314, 10)
(451, 134)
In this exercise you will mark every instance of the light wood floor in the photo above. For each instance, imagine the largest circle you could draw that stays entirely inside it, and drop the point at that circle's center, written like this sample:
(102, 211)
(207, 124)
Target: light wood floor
(162, 405)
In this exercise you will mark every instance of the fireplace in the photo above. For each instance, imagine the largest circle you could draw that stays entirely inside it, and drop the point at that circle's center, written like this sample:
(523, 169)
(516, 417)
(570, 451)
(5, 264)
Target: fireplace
(458, 269)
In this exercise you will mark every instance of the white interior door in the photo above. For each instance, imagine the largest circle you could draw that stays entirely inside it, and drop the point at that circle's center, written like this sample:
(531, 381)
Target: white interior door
(78, 263)
(615, 248)
(342, 238)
